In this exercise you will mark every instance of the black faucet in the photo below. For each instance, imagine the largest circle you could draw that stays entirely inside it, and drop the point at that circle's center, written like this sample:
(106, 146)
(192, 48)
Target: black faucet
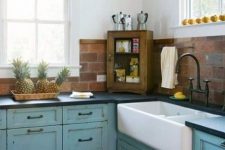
(198, 88)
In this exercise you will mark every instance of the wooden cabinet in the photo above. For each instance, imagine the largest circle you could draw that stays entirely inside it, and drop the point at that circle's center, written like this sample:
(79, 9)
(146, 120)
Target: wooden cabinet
(88, 136)
(75, 127)
(35, 138)
(2, 119)
(127, 143)
(129, 60)
(31, 117)
(2, 139)
(86, 127)
(84, 113)
(205, 141)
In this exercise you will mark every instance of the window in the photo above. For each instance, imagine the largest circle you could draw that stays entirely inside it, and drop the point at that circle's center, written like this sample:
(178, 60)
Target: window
(200, 8)
(35, 30)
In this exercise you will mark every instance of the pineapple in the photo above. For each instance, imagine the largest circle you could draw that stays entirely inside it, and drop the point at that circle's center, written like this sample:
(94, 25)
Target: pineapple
(24, 84)
(54, 85)
(42, 82)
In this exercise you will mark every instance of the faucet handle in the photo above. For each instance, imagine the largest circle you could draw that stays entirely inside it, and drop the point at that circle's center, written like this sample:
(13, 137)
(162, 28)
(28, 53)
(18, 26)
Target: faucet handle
(206, 84)
(206, 81)
(190, 82)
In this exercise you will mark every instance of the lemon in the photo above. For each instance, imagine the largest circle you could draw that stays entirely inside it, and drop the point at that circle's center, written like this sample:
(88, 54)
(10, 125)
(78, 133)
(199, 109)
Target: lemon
(180, 97)
(178, 93)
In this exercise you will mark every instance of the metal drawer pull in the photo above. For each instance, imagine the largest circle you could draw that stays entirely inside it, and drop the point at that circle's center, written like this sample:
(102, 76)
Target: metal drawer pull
(85, 114)
(34, 117)
(85, 140)
(35, 130)
(222, 144)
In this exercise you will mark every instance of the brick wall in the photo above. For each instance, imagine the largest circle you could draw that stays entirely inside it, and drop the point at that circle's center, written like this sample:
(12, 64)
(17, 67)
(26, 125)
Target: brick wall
(210, 52)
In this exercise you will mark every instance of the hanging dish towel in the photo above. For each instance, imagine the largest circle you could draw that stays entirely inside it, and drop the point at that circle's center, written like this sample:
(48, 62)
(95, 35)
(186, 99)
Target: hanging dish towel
(168, 65)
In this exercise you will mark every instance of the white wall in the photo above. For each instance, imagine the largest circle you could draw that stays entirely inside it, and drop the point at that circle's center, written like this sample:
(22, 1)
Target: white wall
(164, 21)
(163, 15)
(95, 15)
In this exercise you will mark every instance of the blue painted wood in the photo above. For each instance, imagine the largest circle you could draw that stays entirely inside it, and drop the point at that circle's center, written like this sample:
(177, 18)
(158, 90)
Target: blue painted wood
(36, 138)
(111, 128)
(84, 113)
(127, 143)
(30, 117)
(2, 139)
(2, 119)
(87, 136)
(204, 141)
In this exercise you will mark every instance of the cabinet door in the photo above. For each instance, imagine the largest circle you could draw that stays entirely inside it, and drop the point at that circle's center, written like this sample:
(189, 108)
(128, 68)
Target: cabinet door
(88, 136)
(32, 117)
(204, 141)
(127, 143)
(2, 119)
(2, 140)
(38, 138)
(84, 113)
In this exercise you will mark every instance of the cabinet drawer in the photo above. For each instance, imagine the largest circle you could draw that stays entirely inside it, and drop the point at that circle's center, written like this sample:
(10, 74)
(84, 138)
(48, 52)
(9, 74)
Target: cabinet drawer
(204, 141)
(2, 119)
(2, 140)
(30, 117)
(36, 138)
(84, 113)
(88, 136)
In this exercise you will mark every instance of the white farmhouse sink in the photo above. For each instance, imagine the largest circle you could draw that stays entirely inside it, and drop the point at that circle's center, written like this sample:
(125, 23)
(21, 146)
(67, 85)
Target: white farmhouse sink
(158, 124)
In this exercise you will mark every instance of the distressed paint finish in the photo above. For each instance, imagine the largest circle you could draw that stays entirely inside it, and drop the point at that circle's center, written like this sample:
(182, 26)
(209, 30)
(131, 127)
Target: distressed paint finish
(36, 138)
(30, 117)
(2, 119)
(88, 136)
(204, 141)
(84, 113)
(127, 143)
(2, 139)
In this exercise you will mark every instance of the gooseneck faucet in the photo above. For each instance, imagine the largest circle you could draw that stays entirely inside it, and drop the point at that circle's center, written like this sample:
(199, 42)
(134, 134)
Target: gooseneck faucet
(198, 88)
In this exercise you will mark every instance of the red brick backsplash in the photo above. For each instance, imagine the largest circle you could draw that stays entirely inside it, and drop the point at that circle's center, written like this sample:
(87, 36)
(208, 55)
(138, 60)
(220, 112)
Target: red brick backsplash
(210, 52)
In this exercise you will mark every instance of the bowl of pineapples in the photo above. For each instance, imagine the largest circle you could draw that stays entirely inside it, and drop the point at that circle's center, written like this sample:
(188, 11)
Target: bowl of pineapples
(25, 89)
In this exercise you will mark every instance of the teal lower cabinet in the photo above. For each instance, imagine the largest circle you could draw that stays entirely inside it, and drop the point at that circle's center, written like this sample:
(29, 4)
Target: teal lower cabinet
(204, 141)
(2, 140)
(2, 119)
(88, 136)
(35, 138)
(126, 143)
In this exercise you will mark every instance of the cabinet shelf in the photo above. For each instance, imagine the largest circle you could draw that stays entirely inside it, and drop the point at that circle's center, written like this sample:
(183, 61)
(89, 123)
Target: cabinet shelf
(129, 61)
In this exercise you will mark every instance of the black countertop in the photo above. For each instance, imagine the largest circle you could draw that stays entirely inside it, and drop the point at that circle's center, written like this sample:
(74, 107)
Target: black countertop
(215, 126)
(7, 102)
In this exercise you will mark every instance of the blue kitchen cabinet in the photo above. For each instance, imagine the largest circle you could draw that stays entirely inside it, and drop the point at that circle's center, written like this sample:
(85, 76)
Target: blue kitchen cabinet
(84, 113)
(2, 139)
(205, 141)
(32, 117)
(35, 138)
(2, 119)
(88, 136)
(126, 143)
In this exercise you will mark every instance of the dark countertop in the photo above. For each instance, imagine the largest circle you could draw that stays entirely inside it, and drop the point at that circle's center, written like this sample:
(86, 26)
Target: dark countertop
(215, 126)
(7, 102)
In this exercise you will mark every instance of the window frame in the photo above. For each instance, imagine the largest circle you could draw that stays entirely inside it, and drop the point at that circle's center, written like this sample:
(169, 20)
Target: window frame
(37, 22)
(189, 9)
(71, 8)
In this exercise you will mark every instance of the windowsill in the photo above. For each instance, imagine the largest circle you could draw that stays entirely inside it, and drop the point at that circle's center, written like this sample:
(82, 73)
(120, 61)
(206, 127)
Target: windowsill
(200, 30)
(201, 25)
(6, 71)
